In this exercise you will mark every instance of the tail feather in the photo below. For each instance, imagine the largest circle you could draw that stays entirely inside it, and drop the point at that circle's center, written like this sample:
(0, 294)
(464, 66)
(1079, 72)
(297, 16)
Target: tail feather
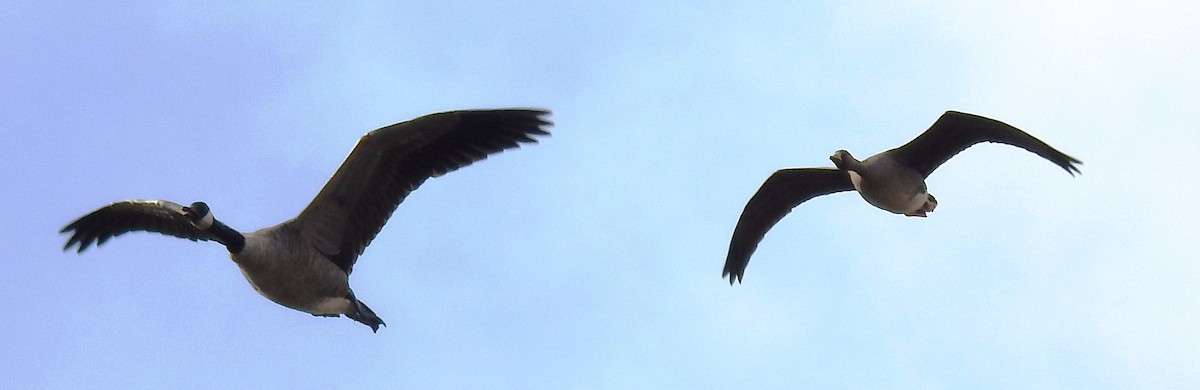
(365, 315)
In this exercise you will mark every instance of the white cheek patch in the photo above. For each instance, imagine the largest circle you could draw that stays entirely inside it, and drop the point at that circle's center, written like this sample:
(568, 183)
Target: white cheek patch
(205, 222)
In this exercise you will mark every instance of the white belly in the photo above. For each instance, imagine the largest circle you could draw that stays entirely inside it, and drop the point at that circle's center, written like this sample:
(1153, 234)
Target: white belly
(332, 306)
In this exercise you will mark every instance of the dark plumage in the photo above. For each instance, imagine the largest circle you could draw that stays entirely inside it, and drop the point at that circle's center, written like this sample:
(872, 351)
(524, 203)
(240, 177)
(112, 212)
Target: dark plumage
(304, 263)
(893, 180)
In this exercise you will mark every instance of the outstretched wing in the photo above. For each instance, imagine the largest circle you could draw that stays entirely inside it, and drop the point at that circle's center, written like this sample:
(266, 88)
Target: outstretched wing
(125, 216)
(389, 163)
(783, 191)
(956, 131)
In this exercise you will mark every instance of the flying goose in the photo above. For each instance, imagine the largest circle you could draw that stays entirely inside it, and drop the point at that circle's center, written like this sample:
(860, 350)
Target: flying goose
(893, 180)
(304, 263)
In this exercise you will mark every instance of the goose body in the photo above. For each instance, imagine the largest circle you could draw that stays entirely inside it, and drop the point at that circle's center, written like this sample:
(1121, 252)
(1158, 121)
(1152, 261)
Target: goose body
(890, 185)
(893, 180)
(304, 263)
(326, 287)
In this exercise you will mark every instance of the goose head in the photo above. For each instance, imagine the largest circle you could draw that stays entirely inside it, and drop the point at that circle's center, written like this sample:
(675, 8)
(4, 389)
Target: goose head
(844, 161)
(199, 214)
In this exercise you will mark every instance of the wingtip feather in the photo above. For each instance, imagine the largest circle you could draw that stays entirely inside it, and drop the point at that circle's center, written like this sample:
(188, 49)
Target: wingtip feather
(732, 277)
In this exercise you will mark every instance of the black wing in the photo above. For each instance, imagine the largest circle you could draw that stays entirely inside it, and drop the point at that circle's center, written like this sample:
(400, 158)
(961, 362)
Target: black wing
(118, 218)
(956, 131)
(389, 163)
(783, 191)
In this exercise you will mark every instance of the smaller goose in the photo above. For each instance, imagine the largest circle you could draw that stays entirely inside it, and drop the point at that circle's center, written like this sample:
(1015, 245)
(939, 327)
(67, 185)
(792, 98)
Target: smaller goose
(304, 263)
(893, 180)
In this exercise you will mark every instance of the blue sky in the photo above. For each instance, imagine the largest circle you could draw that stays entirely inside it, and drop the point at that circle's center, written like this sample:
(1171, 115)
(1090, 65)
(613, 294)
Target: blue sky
(592, 260)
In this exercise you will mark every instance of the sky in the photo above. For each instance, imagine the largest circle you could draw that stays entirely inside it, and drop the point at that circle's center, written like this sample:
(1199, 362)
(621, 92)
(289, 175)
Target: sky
(592, 260)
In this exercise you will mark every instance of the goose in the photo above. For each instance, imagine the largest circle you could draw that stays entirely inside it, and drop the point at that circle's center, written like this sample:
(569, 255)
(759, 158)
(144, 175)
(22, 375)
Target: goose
(304, 263)
(893, 180)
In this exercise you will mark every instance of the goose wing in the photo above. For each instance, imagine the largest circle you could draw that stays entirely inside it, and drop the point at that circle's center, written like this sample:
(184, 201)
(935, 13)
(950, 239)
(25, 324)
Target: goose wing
(125, 216)
(784, 190)
(955, 131)
(389, 163)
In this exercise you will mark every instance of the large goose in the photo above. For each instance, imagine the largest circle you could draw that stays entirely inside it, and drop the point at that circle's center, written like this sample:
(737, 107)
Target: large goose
(304, 263)
(893, 180)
